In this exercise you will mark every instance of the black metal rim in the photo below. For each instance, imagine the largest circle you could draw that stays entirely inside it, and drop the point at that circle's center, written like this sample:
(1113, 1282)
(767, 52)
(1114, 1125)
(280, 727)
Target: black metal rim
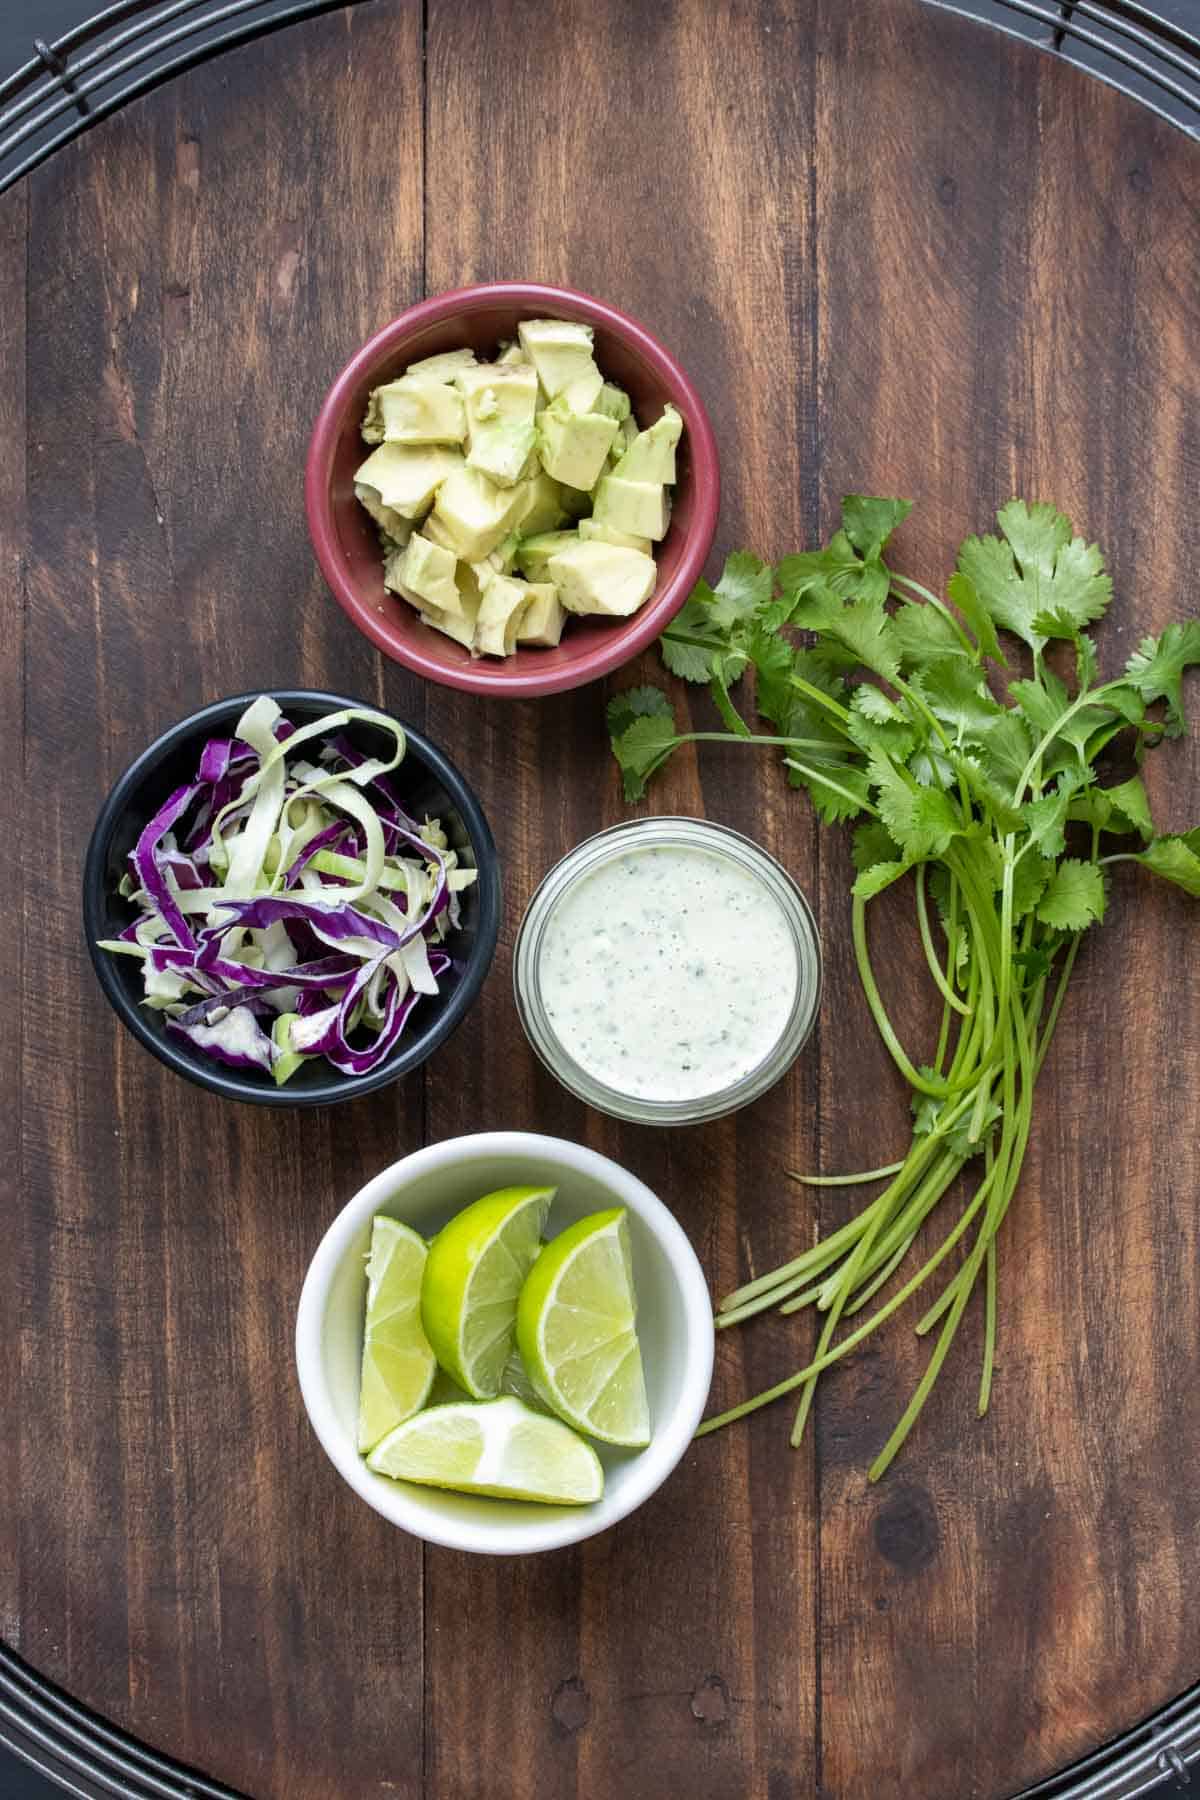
(90, 73)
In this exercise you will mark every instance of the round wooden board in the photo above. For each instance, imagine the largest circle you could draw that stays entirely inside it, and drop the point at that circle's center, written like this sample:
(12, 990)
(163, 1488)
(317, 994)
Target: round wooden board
(900, 254)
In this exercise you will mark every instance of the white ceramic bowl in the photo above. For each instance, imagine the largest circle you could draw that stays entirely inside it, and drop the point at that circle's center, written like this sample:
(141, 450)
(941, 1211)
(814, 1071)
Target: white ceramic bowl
(425, 1190)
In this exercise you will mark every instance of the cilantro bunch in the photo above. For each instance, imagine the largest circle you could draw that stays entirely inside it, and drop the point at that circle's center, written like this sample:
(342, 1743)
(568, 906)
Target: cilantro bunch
(981, 786)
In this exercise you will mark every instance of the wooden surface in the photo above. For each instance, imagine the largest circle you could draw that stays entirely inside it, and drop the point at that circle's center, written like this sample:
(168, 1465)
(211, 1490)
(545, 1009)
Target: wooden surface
(899, 254)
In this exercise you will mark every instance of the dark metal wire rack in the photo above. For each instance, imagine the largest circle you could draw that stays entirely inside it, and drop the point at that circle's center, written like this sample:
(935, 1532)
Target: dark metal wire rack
(89, 73)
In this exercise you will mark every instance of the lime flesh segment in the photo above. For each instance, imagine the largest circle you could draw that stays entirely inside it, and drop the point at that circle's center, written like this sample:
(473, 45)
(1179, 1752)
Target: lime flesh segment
(474, 1274)
(576, 1329)
(398, 1365)
(498, 1447)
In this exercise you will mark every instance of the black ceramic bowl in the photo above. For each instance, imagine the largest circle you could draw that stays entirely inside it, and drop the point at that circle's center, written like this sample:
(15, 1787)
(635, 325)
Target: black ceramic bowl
(427, 782)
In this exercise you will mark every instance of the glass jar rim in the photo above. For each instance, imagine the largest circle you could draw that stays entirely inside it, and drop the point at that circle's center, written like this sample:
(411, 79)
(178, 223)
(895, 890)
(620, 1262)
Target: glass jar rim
(583, 860)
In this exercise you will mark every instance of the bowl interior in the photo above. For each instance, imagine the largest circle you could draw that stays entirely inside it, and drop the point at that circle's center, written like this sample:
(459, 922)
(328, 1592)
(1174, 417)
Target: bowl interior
(483, 330)
(168, 766)
(673, 1336)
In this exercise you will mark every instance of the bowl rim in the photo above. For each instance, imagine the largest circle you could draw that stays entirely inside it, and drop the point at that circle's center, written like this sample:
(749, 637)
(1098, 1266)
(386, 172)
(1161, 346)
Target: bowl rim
(226, 1082)
(654, 1464)
(625, 640)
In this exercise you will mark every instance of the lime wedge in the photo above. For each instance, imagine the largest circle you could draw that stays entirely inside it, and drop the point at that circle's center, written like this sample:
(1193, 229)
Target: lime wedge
(576, 1331)
(476, 1266)
(397, 1365)
(499, 1448)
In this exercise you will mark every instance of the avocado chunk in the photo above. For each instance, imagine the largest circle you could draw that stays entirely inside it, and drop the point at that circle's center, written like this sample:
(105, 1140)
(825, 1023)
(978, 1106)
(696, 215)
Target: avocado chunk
(387, 518)
(535, 552)
(542, 501)
(474, 513)
(406, 476)
(424, 574)
(636, 507)
(511, 353)
(435, 531)
(608, 534)
(503, 606)
(574, 445)
(544, 617)
(613, 401)
(501, 559)
(443, 367)
(417, 412)
(498, 393)
(651, 456)
(594, 577)
(582, 392)
(501, 450)
(559, 349)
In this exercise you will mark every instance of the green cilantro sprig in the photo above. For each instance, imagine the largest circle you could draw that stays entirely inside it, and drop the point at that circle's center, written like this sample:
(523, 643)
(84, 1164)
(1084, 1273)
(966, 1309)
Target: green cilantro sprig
(900, 711)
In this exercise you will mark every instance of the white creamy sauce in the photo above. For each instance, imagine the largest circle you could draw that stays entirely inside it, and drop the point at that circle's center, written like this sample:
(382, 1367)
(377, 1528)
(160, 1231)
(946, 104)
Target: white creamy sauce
(668, 973)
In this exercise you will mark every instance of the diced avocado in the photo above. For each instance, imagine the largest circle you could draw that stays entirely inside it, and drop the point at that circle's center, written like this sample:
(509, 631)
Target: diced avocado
(501, 450)
(651, 456)
(544, 617)
(559, 350)
(593, 577)
(459, 626)
(542, 499)
(502, 558)
(613, 401)
(498, 393)
(636, 507)
(474, 513)
(406, 476)
(436, 532)
(419, 412)
(511, 353)
(535, 552)
(574, 445)
(429, 571)
(443, 367)
(503, 606)
(583, 390)
(626, 432)
(386, 517)
(608, 534)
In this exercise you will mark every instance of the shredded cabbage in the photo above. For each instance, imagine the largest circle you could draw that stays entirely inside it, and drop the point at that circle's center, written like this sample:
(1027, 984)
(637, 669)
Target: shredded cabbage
(289, 909)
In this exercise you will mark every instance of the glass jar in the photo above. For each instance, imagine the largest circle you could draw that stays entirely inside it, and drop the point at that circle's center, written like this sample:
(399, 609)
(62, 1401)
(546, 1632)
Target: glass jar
(767, 1025)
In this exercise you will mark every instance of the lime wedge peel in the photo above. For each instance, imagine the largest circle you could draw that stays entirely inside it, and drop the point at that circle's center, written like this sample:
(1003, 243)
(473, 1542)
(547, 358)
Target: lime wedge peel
(476, 1267)
(499, 1448)
(577, 1331)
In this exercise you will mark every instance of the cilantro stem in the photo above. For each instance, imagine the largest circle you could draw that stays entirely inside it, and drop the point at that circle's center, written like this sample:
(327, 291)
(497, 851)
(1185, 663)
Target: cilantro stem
(937, 1087)
(931, 955)
(826, 700)
(859, 1180)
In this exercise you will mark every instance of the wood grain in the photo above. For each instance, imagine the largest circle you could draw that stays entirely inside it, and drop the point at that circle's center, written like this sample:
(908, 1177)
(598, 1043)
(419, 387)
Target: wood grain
(917, 259)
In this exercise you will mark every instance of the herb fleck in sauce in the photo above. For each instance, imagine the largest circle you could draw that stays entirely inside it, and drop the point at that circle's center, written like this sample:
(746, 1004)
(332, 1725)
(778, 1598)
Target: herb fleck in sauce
(668, 973)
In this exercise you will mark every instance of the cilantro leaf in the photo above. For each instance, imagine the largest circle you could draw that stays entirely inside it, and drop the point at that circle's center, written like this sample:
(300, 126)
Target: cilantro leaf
(838, 791)
(957, 694)
(1038, 567)
(961, 590)
(878, 726)
(688, 661)
(1029, 883)
(1046, 819)
(1156, 669)
(1005, 747)
(637, 703)
(745, 587)
(921, 633)
(873, 844)
(869, 522)
(880, 875)
(1176, 859)
(1074, 896)
(726, 670)
(862, 626)
(1120, 810)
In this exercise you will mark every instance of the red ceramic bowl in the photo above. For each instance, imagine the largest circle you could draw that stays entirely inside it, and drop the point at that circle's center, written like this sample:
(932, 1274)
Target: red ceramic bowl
(344, 537)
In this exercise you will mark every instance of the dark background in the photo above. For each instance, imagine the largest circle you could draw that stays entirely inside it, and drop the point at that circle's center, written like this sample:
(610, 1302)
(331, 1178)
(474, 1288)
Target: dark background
(20, 22)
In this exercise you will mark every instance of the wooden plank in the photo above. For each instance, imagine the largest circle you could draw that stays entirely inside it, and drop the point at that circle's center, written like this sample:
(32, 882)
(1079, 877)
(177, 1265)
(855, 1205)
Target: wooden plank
(675, 1655)
(981, 335)
(178, 1514)
(13, 232)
